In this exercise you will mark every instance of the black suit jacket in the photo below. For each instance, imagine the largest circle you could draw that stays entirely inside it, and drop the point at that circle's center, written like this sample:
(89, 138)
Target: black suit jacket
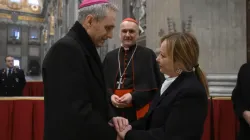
(76, 104)
(13, 84)
(178, 114)
(241, 99)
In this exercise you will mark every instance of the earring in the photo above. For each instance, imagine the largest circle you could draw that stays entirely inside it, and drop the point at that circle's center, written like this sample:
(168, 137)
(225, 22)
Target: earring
(179, 71)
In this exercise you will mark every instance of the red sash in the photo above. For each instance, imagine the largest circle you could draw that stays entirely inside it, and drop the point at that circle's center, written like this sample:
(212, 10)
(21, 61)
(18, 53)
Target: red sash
(139, 113)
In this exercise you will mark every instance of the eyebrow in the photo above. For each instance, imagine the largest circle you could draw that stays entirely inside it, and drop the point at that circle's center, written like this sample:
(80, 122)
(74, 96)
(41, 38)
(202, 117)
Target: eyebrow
(113, 26)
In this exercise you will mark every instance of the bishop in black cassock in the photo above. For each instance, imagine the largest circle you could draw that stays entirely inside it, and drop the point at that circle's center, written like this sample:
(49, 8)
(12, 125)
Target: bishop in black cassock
(142, 76)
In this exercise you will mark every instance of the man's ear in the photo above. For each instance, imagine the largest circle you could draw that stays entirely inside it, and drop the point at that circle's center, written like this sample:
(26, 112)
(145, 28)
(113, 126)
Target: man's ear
(88, 22)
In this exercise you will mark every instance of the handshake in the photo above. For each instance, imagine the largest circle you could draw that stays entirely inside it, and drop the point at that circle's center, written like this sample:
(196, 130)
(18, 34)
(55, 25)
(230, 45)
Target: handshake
(121, 126)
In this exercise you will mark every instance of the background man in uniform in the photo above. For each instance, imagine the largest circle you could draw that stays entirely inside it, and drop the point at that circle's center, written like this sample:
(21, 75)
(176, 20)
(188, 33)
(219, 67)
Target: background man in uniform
(132, 74)
(12, 79)
(75, 97)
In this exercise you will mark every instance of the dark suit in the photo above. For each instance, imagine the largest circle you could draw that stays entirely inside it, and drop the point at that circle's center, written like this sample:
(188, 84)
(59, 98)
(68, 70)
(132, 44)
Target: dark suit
(76, 104)
(178, 114)
(12, 84)
(241, 100)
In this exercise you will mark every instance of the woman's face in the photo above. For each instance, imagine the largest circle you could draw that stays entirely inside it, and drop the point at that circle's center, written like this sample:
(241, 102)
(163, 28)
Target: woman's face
(165, 61)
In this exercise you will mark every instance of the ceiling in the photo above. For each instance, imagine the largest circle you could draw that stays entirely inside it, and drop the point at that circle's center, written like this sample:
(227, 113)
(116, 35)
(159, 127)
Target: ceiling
(23, 6)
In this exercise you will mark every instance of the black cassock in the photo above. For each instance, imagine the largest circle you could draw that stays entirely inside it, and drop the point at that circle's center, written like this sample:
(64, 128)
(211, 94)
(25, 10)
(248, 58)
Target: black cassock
(142, 75)
(75, 97)
(241, 100)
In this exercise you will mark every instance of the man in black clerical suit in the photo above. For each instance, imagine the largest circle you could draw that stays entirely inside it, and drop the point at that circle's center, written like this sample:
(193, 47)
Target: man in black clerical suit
(132, 74)
(241, 101)
(75, 97)
(12, 79)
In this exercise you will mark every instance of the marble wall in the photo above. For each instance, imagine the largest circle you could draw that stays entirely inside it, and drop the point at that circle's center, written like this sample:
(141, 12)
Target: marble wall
(219, 25)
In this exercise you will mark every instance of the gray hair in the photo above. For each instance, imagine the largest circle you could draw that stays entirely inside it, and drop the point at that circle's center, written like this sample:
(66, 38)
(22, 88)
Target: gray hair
(99, 11)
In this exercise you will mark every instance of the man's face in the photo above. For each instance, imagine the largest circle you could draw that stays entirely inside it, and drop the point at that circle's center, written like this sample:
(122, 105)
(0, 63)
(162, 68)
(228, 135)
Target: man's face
(9, 62)
(128, 33)
(103, 29)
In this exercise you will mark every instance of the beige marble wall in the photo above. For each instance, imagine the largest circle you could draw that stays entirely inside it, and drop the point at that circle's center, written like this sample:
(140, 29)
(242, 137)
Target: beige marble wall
(219, 25)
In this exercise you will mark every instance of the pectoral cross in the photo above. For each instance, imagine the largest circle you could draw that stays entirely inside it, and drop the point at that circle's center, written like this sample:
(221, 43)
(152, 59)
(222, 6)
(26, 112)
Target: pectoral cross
(119, 83)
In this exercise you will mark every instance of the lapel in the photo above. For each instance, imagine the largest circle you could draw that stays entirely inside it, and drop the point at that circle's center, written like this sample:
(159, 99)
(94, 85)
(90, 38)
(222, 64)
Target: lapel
(4, 73)
(93, 59)
(171, 90)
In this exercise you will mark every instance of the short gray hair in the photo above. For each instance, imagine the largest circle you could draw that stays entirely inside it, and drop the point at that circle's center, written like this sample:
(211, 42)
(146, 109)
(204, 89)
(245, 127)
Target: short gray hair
(99, 11)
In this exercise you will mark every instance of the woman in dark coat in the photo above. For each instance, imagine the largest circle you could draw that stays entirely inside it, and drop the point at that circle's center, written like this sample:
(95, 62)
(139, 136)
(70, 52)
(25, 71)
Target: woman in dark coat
(180, 109)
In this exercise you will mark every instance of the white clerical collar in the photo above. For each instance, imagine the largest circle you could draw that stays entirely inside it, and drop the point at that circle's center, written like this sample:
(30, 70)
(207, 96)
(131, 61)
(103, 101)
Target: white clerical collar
(126, 49)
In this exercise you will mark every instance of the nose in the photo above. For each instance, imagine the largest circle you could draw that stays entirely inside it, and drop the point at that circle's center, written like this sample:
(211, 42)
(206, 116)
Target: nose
(157, 59)
(127, 34)
(110, 35)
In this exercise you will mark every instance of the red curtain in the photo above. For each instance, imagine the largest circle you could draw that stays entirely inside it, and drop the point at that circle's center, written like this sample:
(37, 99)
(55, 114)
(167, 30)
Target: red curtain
(207, 126)
(225, 122)
(33, 89)
(21, 120)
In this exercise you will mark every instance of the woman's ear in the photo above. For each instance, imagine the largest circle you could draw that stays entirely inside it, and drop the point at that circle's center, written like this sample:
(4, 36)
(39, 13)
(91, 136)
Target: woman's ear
(178, 65)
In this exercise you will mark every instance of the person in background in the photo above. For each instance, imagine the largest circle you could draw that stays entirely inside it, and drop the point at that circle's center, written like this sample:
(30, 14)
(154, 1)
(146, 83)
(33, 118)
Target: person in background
(132, 74)
(12, 79)
(180, 109)
(241, 101)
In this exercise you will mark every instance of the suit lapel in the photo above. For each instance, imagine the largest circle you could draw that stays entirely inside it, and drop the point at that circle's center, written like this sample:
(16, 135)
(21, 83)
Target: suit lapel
(5, 73)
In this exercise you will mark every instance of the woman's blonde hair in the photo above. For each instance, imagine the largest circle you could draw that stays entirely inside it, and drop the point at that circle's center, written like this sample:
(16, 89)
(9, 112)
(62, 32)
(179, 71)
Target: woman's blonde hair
(184, 48)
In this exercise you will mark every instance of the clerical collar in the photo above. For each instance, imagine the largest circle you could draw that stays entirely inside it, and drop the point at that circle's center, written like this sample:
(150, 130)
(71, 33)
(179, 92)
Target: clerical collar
(129, 48)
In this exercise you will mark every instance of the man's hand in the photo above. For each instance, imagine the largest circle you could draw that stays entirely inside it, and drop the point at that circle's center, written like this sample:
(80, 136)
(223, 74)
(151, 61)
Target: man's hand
(123, 133)
(115, 101)
(118, 138)
(126, 98)
(246, 116)
(119, 123)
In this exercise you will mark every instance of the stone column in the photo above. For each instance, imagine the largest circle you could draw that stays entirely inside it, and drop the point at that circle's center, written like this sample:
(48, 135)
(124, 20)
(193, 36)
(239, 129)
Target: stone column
(65, 17)
(24, 48)
(72, 7)
(3, 43)
(126, 8)
(115, 41)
